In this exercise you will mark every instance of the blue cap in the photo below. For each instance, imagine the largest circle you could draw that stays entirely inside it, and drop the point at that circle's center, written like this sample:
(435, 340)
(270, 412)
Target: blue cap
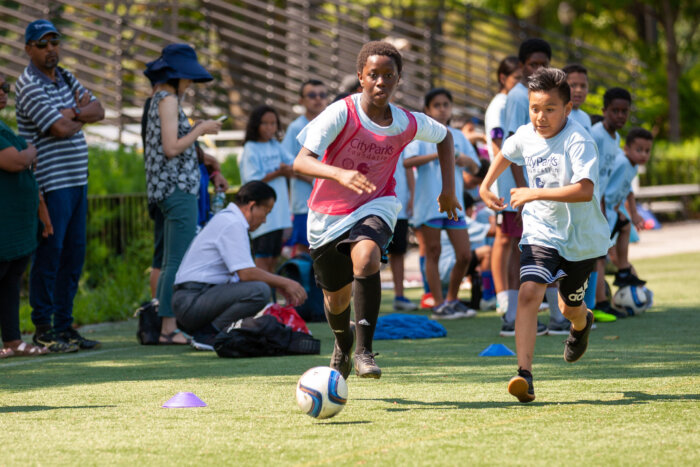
(177, 61)
(38, 29)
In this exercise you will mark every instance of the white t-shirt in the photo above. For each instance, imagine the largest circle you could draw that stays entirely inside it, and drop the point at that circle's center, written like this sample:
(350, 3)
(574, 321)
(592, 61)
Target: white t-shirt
(582, 118)
(322, 131)
(256, 161)
(218, 251)
(429, 177)
(495, 118)
(607, 150)
(577, 231)
(300, 189)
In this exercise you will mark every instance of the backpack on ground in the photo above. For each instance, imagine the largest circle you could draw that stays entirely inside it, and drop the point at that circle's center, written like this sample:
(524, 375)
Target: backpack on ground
(148, 332)
(300, 269)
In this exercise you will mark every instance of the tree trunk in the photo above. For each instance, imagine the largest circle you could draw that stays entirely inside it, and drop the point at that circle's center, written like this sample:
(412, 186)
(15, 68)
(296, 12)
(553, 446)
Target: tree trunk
(668, 19)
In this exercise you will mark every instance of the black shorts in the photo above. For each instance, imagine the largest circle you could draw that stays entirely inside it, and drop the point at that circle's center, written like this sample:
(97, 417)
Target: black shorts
(268, 245)
(332, 263)
(545, 266)
(399, 242)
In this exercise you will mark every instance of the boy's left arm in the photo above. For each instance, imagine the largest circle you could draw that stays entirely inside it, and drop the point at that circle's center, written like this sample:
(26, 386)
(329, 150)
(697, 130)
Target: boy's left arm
(637, 220)
(447, 200)
(578, 192)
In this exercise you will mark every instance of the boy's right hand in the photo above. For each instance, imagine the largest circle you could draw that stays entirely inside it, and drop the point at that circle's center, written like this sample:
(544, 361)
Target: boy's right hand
(355, 181)
(491, 200)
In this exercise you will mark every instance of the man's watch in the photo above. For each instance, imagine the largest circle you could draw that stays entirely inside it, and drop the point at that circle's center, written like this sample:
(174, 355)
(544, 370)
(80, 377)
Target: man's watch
(76, 111)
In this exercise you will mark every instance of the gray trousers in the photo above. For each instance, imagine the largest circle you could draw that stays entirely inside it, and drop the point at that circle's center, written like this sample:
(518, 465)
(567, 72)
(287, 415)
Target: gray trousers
(196, 304)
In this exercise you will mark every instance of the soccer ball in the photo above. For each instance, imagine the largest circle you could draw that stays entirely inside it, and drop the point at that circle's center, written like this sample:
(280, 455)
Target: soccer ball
(633, 300)
(322, 392)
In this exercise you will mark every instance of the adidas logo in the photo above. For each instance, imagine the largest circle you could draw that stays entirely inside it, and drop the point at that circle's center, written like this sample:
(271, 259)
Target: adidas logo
(363, 322)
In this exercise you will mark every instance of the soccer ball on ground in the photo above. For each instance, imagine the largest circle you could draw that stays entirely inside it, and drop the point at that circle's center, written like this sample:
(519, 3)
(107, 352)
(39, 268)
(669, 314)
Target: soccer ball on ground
(632, 299)
(322, 392)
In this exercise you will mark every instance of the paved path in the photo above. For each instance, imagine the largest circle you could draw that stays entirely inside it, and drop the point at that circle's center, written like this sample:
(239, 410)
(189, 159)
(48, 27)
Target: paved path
(670, 239)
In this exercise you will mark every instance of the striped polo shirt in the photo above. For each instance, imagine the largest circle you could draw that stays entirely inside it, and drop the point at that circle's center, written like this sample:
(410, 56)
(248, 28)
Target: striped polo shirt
(61, 162)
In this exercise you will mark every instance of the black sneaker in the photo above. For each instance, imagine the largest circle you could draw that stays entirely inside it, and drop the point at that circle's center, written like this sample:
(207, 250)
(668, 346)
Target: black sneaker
(341, 361)
(54, 342)
(365, 367)
(575, 345)
(72, 336)
(521, 386)
(626, 277)
(508, 329)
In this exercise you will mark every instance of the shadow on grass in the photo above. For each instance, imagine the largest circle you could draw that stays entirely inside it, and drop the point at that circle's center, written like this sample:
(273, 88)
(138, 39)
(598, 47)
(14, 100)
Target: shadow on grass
(356, 422)
(40, 408)
(628, 398)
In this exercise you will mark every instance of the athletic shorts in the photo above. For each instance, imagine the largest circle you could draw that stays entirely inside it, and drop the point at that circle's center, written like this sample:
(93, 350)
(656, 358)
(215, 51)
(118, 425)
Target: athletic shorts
(510, 223)
(545, 265)
(332, 263)
(399, 242)
(157, 215)
(299, 231)
(268, 245)
(447, 224)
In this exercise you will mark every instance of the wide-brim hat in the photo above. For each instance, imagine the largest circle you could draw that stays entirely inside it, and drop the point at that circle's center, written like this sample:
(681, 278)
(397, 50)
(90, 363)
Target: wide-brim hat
(177, 61)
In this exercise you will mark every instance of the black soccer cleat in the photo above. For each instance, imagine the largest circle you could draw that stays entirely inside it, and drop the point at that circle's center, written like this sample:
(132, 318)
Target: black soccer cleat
(341, 361)
(576, 344)
(521, 386)
(72, 336)
(365, 367)
(54, 342)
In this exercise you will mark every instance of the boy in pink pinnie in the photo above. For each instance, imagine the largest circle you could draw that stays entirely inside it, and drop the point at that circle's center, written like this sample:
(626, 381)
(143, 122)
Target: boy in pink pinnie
(353, 207)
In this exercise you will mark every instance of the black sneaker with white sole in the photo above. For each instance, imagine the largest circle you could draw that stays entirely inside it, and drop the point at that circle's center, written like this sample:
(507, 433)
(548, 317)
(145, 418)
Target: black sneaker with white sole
(521, 386)
(365, 366)
(576, 344)
(54, 342)
(508, 328)
(342, 361)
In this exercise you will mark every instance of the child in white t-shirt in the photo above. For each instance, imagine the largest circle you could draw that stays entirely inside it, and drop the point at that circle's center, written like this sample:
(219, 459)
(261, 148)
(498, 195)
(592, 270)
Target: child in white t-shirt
(264, 158)
(564, 230)
(353, 207)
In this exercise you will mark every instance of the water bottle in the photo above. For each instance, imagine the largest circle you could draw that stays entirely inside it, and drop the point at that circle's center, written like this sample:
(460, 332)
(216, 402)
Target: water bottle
(218, 202)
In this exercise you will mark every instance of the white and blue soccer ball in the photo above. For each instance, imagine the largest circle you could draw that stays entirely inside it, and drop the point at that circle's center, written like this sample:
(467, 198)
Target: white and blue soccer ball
(322, 392)
(633, 299)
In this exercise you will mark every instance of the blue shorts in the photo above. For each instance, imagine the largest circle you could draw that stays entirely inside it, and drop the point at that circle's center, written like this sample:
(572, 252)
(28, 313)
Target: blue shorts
(299, 236)
(448, 224)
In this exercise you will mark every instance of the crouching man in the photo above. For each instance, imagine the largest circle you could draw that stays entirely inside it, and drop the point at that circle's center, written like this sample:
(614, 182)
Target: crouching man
(217, 282)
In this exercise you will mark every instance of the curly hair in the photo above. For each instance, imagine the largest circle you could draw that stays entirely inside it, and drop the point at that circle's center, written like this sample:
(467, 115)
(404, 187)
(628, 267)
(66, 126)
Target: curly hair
(378, 48)
(252, 129)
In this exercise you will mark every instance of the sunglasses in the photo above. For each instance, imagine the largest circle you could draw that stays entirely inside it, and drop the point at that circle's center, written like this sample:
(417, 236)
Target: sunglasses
(313, 95)
(43, 43)
(5, 87)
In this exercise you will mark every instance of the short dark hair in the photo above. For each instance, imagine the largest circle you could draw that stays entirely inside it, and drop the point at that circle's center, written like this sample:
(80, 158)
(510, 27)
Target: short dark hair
(534, 45)
(575, 68)
(252, 129)
(378, 48)
(309, 82)
(256, 191)
(638, 133)
(546, 79)
(433, 93)
(507, 67)
(616, 93)
(483, 170)
(595, 118)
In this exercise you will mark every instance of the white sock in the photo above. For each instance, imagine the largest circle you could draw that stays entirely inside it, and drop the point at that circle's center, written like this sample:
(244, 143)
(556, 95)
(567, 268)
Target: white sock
(502, 301)
(552, 294)
(512, 306)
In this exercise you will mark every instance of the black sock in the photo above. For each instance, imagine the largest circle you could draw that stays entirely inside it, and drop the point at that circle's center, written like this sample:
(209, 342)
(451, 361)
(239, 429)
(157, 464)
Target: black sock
(367, 298)
(340, 324)
(624, 272)
(42, 329)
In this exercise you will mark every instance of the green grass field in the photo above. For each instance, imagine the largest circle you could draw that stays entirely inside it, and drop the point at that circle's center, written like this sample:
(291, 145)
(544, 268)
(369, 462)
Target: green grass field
(632, 400)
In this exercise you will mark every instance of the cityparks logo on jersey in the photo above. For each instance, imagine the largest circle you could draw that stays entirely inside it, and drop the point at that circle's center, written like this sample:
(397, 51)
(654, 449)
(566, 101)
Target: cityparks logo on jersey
(371, 150)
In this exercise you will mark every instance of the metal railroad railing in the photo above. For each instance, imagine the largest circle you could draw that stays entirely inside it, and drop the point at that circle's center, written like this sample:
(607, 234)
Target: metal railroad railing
(261, 51)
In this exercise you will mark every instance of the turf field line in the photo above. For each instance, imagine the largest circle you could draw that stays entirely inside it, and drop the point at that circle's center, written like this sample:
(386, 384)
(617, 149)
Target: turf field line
(411, 441)
(83, 354)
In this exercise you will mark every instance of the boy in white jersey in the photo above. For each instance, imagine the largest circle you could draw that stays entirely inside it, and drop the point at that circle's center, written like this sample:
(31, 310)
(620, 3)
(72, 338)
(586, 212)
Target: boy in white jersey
(616, 109)
(577, 78)
(353, 207)
(564, 230)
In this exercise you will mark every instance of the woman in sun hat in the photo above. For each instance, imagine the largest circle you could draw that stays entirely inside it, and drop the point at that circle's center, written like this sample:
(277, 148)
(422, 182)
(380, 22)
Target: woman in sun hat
(172, 169)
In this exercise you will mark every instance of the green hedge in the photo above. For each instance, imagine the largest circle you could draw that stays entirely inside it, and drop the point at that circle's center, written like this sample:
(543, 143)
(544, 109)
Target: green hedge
(673, 163)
